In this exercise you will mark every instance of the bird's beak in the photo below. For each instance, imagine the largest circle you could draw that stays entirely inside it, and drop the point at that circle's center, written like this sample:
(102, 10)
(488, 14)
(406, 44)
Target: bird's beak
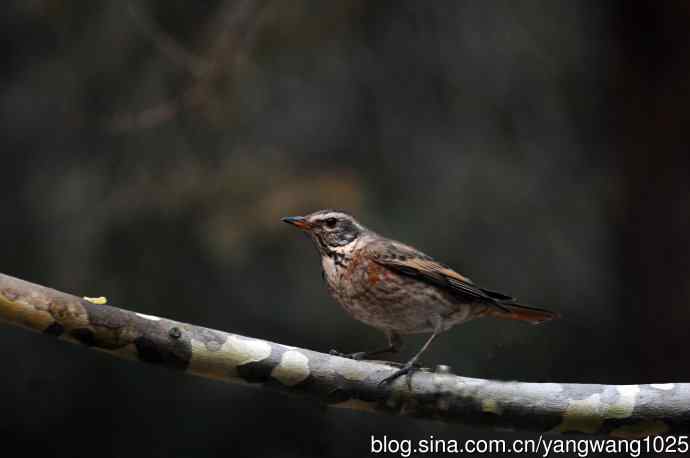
(298, 221)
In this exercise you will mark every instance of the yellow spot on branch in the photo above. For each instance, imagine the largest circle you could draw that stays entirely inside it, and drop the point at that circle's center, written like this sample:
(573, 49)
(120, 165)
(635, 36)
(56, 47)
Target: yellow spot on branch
(97, 300)
(491, 406)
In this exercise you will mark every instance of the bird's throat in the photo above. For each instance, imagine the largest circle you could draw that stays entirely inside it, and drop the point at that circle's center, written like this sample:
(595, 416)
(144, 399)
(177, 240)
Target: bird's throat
(335, 260)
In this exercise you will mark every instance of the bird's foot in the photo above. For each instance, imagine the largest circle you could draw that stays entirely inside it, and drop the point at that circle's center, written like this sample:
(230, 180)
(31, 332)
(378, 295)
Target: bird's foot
(406, 369)
(415, 366)
(356, 356)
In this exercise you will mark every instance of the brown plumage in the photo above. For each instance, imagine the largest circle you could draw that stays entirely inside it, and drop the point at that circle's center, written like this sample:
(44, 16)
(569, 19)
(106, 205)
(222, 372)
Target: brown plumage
(397, 288)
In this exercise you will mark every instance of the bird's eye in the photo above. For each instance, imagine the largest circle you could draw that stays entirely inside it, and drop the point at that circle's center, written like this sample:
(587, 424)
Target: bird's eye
(331, 222)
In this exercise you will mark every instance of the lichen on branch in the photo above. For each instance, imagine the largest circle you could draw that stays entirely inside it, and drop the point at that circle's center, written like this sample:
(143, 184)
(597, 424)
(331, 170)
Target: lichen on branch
(615, 410)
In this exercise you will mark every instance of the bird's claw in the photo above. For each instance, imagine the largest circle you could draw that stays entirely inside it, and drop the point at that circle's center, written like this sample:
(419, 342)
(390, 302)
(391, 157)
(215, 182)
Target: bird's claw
(407, 369)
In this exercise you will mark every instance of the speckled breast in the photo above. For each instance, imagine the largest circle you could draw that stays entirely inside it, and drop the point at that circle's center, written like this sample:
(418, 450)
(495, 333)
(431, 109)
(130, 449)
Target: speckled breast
(384, 299)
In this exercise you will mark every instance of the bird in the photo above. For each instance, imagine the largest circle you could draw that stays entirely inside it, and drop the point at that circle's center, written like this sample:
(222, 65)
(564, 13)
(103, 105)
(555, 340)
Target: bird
(398, 289)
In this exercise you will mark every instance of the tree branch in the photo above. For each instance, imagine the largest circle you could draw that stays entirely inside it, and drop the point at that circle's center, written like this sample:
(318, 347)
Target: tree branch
(617, 410)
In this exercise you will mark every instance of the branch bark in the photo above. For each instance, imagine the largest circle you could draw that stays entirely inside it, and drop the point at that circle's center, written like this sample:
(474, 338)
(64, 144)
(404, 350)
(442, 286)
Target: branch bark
(616, 410)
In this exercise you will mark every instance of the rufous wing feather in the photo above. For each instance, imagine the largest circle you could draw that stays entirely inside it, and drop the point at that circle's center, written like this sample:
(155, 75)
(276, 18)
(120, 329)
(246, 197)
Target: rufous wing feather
(408, 261)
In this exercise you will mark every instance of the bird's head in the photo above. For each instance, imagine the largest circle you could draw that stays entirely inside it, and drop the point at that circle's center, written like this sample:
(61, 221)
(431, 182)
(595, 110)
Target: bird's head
(330, 229)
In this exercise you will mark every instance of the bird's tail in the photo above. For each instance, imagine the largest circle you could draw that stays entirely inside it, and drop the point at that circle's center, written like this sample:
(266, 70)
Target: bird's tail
(513, 311)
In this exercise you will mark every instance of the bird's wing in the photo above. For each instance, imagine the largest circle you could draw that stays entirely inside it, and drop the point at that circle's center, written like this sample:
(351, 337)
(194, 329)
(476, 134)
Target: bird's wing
(408, 261)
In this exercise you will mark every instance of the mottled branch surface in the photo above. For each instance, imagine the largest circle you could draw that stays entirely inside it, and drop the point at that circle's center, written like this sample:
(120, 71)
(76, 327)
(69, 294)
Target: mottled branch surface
(616, 410)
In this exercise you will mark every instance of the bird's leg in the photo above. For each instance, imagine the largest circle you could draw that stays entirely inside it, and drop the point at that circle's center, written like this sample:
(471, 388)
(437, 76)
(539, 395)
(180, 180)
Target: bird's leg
(408, 367)
(394, 345)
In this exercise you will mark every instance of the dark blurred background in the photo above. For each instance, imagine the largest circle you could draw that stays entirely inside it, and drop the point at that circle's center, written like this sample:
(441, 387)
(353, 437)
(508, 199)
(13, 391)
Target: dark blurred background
(149, 149)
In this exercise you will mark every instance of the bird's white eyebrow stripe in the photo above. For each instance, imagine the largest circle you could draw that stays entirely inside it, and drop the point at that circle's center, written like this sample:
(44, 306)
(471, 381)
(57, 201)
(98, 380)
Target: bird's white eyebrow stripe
(329, 215)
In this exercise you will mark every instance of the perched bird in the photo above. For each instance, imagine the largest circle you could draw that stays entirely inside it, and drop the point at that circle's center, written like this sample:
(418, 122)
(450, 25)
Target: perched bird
(397, 288)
